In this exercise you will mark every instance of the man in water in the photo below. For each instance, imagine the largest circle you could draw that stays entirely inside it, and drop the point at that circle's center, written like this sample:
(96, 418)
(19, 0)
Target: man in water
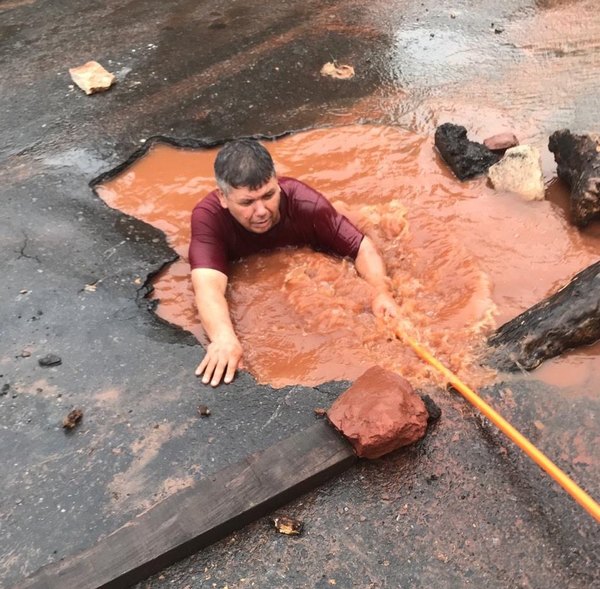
(251, 211)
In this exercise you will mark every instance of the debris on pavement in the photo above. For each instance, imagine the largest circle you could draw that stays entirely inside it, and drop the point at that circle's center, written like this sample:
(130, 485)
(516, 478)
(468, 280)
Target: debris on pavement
(50, 360)
(91, 77)
(565, 320)
(578, 164)
(288, 525)
(320, 411)
(465, 158)
(72, 419)
(501, 141)
(203, 411)
(433, 409)
(340, 72)
(519, 171)
(379, 413)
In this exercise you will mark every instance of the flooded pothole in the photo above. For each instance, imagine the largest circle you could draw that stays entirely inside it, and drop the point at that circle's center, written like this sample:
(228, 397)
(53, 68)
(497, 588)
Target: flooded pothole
(462, 258)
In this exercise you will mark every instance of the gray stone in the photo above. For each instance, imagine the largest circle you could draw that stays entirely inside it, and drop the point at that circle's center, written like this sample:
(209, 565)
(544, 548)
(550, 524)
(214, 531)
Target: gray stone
(50, 360)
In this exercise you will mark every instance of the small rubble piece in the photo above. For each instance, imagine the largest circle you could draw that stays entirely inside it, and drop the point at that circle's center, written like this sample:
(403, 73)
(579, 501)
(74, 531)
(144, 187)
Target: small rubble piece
(50, 360)
(379, 413)
(71, 420)
(320, 411)
(520, 171)
(288, 525)
(91, 77)
(433, 410)
(578, 164)
(568, 319)
(501, 142)
(340, 72)
(465, 158)
(203, 411)
(217, 23)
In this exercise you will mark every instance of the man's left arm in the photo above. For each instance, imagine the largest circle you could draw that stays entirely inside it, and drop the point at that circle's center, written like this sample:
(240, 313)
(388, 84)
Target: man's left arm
(371, 267)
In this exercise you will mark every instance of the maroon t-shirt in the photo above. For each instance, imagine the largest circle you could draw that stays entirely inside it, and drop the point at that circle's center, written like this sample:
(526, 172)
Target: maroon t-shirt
(307, 219)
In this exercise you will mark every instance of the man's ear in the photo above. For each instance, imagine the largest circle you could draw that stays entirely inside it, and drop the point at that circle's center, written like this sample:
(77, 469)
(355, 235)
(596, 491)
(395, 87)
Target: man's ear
(222, 198)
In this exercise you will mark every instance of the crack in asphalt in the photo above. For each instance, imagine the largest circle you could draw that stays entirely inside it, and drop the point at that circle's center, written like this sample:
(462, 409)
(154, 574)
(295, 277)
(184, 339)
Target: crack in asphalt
(22, 249)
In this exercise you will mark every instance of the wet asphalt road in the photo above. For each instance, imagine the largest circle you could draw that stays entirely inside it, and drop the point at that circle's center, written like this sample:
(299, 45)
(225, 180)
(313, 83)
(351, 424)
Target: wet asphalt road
(462, 508)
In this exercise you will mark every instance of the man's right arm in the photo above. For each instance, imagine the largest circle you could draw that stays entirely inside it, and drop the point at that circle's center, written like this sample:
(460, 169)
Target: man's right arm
(224, 353)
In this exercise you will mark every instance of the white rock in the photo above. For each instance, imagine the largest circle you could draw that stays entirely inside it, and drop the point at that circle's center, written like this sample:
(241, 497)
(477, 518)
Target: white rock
(520, 171)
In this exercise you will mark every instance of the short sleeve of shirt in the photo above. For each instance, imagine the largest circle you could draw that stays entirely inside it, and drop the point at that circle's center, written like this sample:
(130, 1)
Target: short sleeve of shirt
(208, 241)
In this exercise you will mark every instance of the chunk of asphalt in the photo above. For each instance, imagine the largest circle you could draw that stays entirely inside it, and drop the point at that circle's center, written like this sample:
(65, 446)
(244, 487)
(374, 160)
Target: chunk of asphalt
(50, 360)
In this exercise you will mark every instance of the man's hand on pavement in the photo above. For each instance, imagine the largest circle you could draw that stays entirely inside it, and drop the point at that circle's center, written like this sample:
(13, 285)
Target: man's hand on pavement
(223, 358)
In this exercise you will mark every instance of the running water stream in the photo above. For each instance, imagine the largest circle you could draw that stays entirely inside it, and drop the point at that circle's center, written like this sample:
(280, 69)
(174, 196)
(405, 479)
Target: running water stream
(463, 259)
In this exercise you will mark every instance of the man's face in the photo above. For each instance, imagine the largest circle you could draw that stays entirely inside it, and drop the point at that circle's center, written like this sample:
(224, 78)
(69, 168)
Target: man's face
(255, 210)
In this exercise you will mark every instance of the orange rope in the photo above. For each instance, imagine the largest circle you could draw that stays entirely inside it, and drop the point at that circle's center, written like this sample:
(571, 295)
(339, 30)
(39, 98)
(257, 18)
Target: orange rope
(521, 441)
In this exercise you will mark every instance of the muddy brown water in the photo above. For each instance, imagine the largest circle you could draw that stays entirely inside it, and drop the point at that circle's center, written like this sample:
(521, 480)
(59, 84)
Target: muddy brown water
(463, 259)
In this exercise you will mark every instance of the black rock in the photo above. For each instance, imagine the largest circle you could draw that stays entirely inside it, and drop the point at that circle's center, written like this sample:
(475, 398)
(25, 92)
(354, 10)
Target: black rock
(578, 164)
(465, 158)
(5, 389)
(568, 319)
(432, 409)
(50, 360)
(203, 411)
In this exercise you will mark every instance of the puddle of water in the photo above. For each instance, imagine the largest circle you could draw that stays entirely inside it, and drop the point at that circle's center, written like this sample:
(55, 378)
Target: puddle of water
(448, 55)
(462, 257)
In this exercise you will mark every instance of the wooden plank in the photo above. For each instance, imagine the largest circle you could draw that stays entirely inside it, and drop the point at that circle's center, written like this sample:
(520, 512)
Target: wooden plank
(200, 515)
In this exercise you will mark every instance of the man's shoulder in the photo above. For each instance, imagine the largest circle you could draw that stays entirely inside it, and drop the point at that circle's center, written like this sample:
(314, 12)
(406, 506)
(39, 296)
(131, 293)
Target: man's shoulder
(294, 185)
(300, 195)
(209, 217)
(210, 204)
(288, 182)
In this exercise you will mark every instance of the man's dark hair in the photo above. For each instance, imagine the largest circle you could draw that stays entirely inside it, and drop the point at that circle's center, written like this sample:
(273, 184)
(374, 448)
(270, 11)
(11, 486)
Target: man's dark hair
(243, 162)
